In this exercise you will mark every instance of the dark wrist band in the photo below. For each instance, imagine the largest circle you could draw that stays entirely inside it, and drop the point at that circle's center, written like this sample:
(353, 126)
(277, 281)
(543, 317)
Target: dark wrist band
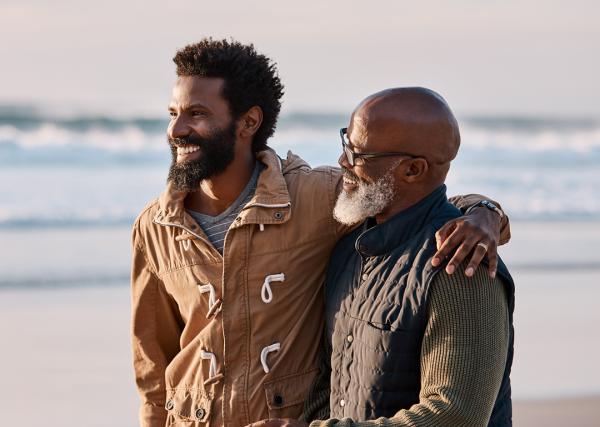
(486, 204)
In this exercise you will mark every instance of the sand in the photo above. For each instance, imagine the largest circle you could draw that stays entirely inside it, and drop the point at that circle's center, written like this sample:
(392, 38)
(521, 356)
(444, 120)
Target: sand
(573, 412)
(65, 358)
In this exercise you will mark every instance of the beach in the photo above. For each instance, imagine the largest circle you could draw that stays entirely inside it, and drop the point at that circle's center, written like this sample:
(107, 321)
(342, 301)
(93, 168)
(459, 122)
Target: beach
(67, 361)
(65, 255)
(94, 99)
(574, 412)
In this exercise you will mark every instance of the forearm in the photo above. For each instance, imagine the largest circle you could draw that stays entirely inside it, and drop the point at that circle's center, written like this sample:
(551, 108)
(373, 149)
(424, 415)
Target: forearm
(316, 406)
(464, 202)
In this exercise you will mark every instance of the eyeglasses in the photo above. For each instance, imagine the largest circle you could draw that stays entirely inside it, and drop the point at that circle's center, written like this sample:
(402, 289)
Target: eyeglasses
(355, 158)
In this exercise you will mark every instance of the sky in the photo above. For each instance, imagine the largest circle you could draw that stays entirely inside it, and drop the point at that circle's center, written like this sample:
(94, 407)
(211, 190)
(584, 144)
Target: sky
(485, 57)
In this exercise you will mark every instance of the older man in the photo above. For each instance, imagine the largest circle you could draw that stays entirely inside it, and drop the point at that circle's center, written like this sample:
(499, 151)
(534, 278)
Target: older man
(228, 263)
(408, 345)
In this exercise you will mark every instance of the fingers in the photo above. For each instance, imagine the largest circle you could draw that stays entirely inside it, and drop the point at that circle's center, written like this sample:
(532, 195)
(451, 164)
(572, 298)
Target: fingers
(492, 256)
(444, 232)
(444, 246)
(465, 235)
(478, 255)
(459, 256)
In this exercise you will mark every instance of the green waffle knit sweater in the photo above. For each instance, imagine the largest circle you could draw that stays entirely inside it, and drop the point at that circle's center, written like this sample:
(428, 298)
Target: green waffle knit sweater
(463, 358)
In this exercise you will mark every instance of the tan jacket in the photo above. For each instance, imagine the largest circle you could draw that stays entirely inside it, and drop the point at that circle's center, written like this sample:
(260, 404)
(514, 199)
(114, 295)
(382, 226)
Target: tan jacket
(232, 339)
(226, 340)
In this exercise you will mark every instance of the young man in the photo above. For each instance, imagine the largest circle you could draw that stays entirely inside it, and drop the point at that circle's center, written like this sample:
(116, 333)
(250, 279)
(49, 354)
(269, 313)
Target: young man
(228, 263)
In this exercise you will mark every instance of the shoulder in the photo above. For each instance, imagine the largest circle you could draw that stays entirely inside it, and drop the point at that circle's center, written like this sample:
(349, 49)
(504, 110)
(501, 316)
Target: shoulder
(304, 182)
(144, 221)
(294, 166)
(470, 296)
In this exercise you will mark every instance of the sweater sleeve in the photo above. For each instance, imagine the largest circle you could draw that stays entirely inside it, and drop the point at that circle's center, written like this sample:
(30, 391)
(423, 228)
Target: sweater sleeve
(463, 356)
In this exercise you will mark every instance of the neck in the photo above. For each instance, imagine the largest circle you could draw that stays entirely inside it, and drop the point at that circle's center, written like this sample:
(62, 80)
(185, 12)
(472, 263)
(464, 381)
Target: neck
(408, 198)
(216, 194)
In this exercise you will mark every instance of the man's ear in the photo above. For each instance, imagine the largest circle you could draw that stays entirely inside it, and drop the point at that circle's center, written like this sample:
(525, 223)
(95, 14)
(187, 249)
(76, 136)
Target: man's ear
(416, 170)
(250, 122)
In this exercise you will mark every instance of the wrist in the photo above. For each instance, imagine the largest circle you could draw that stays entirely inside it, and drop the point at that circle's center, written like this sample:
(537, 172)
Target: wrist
(488, 205)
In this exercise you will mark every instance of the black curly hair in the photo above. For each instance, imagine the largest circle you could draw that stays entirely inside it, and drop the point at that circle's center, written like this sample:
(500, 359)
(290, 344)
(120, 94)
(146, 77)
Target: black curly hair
(250, 79)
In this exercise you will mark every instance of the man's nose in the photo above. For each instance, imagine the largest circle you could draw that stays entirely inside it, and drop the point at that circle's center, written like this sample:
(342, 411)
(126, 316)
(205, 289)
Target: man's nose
(343, 161)
(178, 128)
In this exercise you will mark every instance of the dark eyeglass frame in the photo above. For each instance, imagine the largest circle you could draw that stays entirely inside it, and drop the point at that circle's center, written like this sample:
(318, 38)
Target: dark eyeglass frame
(352, 156)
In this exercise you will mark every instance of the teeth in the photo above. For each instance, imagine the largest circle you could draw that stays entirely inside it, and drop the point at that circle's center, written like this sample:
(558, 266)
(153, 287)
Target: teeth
(187, 149)
(349, 181)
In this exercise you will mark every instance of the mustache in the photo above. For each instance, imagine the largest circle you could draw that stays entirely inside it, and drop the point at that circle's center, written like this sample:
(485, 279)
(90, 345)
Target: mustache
(187, 140)
(350, 175)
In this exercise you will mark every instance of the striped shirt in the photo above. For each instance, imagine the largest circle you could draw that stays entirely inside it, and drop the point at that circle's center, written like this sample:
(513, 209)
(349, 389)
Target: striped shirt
(216, 227)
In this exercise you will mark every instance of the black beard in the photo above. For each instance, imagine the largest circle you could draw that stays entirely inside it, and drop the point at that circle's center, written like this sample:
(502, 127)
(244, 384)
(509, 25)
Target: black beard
(217, 153)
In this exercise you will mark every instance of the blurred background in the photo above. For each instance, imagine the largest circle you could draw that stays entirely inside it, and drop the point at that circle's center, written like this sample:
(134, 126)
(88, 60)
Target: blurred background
(83, 114)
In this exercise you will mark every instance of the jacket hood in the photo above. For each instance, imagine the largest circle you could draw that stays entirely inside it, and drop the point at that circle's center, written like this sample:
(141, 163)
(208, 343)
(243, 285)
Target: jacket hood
(293, 162)
(271, 188)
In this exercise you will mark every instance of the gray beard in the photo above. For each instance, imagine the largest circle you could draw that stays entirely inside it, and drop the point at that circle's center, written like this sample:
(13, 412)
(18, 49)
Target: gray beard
(366, 201)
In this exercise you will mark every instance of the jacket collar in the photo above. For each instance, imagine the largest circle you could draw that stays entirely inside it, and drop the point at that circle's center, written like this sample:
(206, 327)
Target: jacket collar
(383, 238)
(270, 205)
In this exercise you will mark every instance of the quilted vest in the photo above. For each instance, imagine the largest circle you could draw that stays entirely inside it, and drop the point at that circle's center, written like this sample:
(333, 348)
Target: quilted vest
(377, 290)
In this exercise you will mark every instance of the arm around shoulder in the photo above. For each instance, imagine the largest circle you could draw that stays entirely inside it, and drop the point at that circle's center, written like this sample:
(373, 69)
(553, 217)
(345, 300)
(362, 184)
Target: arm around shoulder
(464, 202)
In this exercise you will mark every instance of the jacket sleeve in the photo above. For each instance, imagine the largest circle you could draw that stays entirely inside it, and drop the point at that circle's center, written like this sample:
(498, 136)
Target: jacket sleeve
(156, 328)
(464, 202)
(463, 356)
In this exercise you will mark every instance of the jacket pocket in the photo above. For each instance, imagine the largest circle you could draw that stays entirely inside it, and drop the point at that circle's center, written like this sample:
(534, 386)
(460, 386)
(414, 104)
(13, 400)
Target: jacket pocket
(285, 396)
(187, 407)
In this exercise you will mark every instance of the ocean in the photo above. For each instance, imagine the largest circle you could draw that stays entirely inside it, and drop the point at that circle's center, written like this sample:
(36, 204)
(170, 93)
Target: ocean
(97, 171)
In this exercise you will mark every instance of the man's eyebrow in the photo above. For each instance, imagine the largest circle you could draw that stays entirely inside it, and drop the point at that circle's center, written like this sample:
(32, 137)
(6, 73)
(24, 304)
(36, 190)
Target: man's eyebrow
(190, 107)
(196, 105)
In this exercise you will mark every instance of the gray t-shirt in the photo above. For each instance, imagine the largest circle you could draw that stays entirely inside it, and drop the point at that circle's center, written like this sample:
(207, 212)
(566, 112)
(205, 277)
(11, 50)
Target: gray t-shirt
(215, 227)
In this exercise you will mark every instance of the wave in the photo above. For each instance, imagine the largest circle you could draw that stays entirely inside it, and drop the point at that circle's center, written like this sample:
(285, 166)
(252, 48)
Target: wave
(29, 117)
(100, 171)
(51, 144)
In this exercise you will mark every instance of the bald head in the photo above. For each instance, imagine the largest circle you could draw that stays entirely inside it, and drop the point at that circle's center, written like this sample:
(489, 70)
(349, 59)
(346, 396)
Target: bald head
(403, 141)
(413, 120)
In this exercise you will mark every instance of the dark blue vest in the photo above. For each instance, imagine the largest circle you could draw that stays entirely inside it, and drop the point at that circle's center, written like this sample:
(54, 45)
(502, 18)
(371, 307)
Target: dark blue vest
(377, 289)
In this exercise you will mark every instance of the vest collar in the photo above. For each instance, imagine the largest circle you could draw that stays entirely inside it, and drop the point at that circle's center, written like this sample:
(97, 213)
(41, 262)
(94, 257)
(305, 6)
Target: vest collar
(383, 238)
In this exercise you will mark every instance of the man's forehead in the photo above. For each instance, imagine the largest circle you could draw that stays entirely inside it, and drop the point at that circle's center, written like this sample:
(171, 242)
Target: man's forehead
(191, 89)
(357, 130)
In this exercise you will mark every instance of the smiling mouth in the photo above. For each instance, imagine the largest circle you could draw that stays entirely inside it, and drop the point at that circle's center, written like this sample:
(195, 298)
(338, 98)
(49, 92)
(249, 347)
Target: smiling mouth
(349, 181)
(186, 149)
